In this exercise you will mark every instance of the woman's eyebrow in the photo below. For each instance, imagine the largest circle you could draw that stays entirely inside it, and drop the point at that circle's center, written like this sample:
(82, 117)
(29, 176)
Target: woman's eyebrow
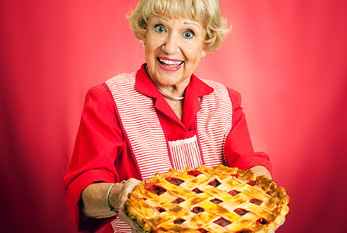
(162, 17)
(192, 23)
(186, 22)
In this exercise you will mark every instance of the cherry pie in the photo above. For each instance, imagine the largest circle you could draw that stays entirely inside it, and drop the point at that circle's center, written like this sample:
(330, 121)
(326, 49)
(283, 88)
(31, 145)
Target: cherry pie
(201, 200)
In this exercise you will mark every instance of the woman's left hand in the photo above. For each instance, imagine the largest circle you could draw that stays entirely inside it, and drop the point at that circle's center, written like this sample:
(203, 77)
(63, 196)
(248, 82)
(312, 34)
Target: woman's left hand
(261, 171)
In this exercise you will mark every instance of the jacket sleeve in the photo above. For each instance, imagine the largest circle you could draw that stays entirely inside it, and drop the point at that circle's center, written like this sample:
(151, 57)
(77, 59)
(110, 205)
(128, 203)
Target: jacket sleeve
(238, 148)
(99, 141)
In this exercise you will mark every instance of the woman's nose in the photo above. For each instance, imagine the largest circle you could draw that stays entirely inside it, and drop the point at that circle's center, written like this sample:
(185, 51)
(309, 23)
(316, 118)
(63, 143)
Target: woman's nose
(171, 44)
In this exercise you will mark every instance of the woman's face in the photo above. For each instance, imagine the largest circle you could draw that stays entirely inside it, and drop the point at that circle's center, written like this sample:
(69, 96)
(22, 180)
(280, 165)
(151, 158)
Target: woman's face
(173, 49)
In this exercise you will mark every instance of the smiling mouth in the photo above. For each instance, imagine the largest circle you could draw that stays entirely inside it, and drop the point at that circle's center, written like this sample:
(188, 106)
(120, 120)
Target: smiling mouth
(170, 64)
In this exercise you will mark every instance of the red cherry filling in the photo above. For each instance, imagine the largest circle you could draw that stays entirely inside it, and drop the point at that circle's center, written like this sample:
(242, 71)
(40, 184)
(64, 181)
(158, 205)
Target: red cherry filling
(216, 201)
(196, 190)
(178, 200)
(202, 230)
(252, 182)
(234, 175)
(214, 183)
(256, 201)
(194, 173)
(234, 192)
(160, 209)
(174, 181)
(241, 211)
(155, 188)
(197, 210)
(222, 222)
(262, 221)
(179, 221)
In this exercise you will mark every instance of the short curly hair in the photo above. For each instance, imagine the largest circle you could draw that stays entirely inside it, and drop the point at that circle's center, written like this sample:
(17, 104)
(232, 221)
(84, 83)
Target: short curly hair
(206, 12)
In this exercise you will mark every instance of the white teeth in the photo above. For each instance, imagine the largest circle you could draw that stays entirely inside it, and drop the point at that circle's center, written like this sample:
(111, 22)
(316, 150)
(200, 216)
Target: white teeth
(167, 62)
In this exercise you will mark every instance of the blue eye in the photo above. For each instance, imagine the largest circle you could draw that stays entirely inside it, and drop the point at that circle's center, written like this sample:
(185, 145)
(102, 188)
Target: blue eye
(188, 34)
(159, 28)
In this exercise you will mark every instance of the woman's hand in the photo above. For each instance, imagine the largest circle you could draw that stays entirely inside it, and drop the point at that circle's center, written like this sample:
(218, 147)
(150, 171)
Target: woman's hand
(128, 187)
(260, 170)
(94, 198)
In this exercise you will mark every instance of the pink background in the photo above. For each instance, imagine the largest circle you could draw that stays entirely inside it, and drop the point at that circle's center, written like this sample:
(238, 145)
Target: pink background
(287, 58)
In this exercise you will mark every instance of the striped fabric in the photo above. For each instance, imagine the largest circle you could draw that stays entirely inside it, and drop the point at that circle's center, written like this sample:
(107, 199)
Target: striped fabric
(152, 152)
(185, 153)
(214, 122)
(141, 126)
(120, 226)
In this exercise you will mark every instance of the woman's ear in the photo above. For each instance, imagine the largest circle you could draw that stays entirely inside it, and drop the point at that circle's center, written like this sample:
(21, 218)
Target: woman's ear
(206, 49)
(141, 37)
(142, 41)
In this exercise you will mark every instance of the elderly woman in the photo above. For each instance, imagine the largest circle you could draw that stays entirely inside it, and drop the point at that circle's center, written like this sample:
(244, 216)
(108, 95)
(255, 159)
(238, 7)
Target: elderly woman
(157, 118)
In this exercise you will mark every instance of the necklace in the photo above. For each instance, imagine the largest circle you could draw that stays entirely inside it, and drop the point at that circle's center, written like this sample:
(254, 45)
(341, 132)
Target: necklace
(165, 95)
(171, 97)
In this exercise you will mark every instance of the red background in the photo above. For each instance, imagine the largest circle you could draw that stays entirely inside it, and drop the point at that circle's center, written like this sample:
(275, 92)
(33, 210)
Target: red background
(287, 58)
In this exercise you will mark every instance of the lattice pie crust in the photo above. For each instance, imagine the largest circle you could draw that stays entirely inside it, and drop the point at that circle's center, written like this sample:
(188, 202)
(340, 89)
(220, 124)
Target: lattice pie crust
(218, 199)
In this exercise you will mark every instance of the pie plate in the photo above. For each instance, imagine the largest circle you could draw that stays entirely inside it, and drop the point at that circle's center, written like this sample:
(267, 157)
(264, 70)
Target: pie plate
(139, 228)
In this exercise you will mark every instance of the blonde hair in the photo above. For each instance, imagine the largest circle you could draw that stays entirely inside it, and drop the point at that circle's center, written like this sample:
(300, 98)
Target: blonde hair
(206, 12)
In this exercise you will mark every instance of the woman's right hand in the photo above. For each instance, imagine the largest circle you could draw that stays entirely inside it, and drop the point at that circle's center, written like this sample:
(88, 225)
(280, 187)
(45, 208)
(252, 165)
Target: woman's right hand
(128, 186)
(94, 204)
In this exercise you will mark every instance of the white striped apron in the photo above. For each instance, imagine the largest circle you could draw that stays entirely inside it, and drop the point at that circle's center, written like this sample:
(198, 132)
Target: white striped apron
(152, 151)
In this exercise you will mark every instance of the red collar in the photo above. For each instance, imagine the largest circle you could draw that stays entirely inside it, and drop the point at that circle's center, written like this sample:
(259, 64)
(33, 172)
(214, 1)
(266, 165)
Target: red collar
(195, 89)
